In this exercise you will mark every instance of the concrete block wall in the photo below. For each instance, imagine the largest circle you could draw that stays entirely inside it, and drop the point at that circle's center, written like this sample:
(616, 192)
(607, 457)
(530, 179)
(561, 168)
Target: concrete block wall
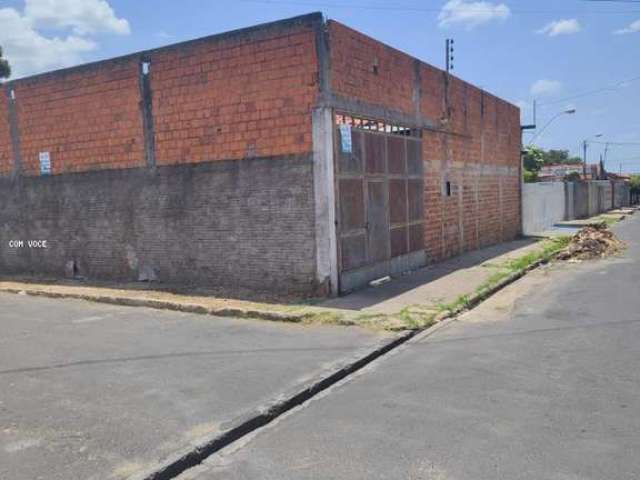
(569, 201)
(581, 199)
(606, 195)
(621, 194)
(246, 223)
(600, 199)
(547, 203)
(543, 205)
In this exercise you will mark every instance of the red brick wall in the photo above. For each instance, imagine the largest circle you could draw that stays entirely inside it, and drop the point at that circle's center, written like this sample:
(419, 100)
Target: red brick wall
(87, 118)
(480, 155)
(6, 152)
(235, 97)
(475, 143)
(352, 58)
(238, 95)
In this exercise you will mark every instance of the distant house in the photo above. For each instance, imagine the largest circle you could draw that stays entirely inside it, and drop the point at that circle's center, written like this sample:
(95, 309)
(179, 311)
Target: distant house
(557, 172)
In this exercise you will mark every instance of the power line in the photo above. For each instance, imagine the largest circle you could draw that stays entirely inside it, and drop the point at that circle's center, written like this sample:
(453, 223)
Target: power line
(404, 8)
(613, 1)
(610, 88)
(615, 143)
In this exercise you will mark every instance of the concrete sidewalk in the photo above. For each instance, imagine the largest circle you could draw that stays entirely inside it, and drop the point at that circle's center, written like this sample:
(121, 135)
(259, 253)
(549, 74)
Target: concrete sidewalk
(571, 227)
(436, 285)
(407, 302)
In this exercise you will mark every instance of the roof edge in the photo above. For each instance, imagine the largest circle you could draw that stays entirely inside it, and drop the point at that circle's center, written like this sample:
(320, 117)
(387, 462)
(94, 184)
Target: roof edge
(310, 19)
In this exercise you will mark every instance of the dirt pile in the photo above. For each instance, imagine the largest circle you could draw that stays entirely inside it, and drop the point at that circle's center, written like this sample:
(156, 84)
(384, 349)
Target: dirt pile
(592, 241)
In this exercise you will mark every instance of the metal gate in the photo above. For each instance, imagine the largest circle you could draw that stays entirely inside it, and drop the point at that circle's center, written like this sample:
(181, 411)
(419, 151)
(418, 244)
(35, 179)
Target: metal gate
(380, 191)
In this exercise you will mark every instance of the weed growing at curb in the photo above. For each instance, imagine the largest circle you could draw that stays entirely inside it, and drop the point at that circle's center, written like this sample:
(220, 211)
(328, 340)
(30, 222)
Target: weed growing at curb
(512, 268)
(413, 317)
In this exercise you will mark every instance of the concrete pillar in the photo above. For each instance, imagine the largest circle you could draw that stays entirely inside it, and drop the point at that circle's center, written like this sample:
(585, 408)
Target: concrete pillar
(325, 199)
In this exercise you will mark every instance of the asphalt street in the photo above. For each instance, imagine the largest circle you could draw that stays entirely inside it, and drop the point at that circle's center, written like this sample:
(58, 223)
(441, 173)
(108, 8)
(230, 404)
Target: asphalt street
(93, 391)
(542, 381)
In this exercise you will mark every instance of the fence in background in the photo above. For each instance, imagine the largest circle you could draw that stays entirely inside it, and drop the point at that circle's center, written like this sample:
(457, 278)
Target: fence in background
(546, 203)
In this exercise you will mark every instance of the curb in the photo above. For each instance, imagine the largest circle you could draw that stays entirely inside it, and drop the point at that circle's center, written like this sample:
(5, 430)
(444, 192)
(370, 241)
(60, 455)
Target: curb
(173, 306)
(257, 314)
(478, 297)
(189, 459)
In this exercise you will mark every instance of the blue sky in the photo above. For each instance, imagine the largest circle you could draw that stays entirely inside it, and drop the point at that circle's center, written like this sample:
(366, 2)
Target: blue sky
(554, 51)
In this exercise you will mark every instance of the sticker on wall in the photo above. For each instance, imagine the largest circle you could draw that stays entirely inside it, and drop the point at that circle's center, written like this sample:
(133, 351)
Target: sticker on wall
(345, 135)
(45, 163)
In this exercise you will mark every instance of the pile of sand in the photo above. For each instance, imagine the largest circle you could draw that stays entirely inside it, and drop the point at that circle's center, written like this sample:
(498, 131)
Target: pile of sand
(592, 241)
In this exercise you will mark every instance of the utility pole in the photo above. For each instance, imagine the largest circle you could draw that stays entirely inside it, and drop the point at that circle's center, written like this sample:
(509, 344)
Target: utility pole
(585, 143)
(449, 53)
(584, 159)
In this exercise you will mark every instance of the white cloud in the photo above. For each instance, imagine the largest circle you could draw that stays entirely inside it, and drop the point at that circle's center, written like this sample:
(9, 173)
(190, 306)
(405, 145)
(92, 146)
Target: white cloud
(561, 27)
(471, 14)
(29, 50)
(634, 27)
(545, 87)
(82, 16)
(162, 35)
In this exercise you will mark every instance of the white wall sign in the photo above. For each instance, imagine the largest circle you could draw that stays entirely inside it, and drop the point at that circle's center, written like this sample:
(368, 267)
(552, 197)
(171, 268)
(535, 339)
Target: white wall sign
(345, 135)
(45, 163)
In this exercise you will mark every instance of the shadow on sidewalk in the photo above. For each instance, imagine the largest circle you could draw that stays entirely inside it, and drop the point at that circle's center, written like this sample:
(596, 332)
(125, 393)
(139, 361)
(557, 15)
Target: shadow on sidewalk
(372, 296)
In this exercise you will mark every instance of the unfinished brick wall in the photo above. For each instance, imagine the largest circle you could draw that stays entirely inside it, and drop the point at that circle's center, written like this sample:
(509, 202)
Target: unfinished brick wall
(474, 143)
(87, 118)
(249, 95)
(480, 159)
(245, 96)
(364, 69)
(238, 95)
(6, 151)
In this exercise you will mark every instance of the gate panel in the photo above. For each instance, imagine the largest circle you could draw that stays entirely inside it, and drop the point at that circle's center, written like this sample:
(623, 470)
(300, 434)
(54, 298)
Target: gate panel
(380, 191)
(377, 221)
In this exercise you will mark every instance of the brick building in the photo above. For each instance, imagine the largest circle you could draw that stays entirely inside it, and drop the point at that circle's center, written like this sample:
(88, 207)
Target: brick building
(297, 155)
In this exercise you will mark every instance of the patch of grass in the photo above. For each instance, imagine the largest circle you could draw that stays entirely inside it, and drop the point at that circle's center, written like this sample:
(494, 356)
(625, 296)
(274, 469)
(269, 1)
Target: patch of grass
(327, 318)
(548, 249)
(609, 219)
(417, 317)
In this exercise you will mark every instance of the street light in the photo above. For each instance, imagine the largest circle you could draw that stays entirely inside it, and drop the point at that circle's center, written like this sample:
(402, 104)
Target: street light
(571, 111)
(585, 144)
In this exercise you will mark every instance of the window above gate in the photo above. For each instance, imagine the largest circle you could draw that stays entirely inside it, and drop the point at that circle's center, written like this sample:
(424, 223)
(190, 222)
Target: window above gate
(372, 125)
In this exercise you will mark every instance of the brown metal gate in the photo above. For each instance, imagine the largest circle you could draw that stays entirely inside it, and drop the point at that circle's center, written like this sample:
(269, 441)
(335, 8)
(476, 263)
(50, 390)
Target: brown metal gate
(380, 191)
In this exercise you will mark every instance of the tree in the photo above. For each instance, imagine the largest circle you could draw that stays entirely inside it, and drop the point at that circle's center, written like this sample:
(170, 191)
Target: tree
(559, 157)
(5, 68)
(533, 158)
(530, 176)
